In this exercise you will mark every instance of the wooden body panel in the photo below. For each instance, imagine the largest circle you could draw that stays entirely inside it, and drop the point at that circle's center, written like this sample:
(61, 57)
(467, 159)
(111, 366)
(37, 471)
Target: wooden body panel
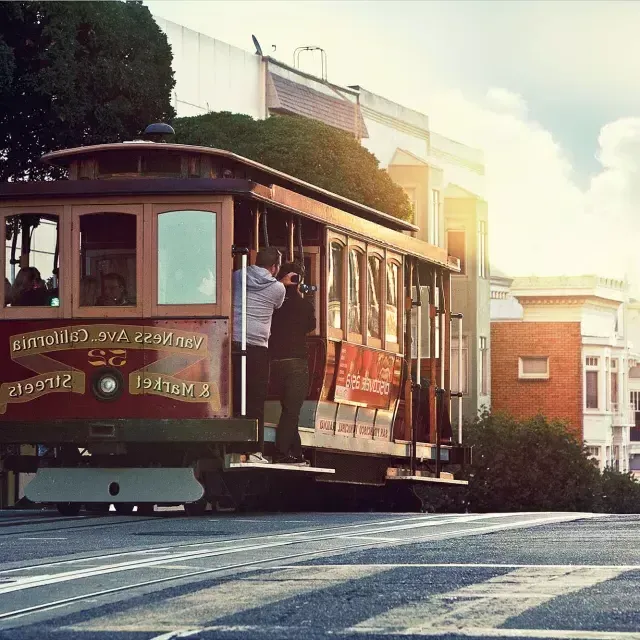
(168, 368)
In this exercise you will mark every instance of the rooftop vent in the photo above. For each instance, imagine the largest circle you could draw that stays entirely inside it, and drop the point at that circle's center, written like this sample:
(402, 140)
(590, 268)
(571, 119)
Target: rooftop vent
(158, 131)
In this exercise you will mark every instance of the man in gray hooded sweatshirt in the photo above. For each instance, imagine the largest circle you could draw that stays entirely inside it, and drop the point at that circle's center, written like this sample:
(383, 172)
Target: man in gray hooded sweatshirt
(265, 294)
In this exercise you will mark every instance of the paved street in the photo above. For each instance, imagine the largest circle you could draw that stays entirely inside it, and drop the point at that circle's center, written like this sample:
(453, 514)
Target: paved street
(543, 575)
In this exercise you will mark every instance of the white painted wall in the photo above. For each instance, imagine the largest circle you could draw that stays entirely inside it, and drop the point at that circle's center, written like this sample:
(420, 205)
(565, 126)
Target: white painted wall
(212, 75)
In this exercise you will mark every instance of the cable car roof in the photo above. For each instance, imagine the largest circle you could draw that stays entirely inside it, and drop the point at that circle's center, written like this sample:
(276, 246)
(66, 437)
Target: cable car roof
(65, 157)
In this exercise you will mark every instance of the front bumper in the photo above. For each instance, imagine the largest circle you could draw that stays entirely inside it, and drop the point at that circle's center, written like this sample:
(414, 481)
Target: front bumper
(130, 430)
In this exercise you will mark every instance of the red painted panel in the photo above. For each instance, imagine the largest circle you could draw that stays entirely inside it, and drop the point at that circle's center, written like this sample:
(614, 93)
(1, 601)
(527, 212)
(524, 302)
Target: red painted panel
(169, 368)
(367, 377)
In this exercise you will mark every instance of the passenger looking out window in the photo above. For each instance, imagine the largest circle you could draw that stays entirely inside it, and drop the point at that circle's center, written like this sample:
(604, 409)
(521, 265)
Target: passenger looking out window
(114, 291)
(29, 290)
(89, 291)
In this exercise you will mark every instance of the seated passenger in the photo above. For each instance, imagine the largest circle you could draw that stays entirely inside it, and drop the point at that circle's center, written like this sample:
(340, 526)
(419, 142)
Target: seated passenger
(114, 291)
(29, 289)
(7, 292)
(88, 291)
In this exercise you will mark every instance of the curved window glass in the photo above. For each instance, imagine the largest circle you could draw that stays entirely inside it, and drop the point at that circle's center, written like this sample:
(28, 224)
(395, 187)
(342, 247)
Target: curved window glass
(375, 291)
(108, 260)
(391, 330)
(187, 257)
(355, 289)
(31, 261)
(336, 252)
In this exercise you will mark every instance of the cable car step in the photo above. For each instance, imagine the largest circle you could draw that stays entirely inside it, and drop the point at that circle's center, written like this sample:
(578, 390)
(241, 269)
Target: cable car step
(279, 467)
(394, 473)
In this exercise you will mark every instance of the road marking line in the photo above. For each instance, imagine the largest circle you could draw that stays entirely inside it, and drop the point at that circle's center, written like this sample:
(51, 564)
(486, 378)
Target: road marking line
(43, 538)
(229, 598)
(474, 632)
(32, 581)
(472, 565)
(485, 605)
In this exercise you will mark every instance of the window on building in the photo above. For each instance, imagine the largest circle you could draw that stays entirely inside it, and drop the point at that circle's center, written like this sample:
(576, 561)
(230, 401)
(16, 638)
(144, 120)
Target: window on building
(374, 275)
(591, 380)
(31, 271)
(187, 257)
(108, 260)
(433, 231)
(336, 285)
(592, 361)
(593, 452)
(460, 382)
(533, 367)
(457, 247)
(482, 250)
(356, 270)
(614, 385)
(483, 382)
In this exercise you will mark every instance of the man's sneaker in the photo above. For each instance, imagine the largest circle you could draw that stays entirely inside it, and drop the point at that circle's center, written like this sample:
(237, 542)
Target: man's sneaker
(301, 462)
(257, 457)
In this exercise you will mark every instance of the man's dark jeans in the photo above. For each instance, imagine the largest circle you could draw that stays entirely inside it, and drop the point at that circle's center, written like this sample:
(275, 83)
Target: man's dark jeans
(290, 380)
(257, 385)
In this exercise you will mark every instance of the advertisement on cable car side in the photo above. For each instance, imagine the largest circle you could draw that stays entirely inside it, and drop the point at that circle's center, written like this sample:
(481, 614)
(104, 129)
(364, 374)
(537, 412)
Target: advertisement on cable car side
(137, 369)
(367, 377)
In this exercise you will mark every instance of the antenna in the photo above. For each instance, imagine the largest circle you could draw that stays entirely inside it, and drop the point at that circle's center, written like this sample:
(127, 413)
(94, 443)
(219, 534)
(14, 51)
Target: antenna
(257, 46)
(323, 54)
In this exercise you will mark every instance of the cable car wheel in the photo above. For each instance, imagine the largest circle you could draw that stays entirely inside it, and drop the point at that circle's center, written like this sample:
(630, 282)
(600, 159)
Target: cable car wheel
(197, 508)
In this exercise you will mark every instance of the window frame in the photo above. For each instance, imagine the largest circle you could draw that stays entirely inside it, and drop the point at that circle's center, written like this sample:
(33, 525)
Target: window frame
(453, 350)
(64, 293)
(592, 367)
(142, 296)
(394, 258)
(332, 332)
(222, 210)
(532, 376)
(359, 247)
(483, 366)
(377, 252)
(482, 249)
(433, 226)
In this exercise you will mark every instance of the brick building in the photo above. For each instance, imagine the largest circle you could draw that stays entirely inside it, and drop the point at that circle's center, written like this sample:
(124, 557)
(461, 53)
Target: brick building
(536, 369)
(567, 357)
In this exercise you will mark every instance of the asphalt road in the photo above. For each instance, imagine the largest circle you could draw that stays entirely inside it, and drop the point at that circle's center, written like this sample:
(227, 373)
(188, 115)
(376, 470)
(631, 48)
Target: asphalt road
(347, 576)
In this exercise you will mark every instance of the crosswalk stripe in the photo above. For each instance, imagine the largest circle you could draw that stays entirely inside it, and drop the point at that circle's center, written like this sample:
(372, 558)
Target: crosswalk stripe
(485, 605)
(185, 612)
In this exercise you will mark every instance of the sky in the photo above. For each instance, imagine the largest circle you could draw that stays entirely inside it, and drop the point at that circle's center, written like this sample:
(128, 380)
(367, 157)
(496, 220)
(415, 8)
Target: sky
(547, 89)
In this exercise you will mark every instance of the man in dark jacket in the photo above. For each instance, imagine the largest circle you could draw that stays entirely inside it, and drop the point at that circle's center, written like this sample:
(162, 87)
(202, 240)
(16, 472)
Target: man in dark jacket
(289, 366)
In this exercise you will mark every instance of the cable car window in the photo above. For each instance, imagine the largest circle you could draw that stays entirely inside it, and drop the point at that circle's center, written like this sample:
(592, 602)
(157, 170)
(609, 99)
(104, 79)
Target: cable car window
(355, 289)
(375, 292)
(107, 260)
(392, 303)
(187, 257)
(31, 263)
(336, 252)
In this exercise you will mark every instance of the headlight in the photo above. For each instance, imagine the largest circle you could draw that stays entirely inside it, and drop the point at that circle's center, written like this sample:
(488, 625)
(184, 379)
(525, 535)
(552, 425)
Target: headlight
(107, 384)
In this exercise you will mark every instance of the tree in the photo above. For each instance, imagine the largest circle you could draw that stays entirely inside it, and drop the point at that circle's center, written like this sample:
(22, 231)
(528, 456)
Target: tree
(77, 73)
(304, 148)
(529, 465)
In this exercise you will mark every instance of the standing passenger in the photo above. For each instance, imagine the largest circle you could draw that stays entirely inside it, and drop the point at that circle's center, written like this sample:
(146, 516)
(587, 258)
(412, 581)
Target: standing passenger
(289, 364)
(264, 295)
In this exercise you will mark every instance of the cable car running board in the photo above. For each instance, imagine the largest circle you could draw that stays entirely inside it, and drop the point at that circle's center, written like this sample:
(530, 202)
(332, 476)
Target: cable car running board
(279, 467)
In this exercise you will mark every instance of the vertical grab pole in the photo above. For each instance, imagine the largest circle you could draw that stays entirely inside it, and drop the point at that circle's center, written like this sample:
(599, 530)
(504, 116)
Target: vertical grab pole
(414, 418)
(460, 378)
(243, 365)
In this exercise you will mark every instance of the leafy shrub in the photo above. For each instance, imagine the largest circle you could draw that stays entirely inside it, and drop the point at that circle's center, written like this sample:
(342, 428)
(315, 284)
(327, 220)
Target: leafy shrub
(306, 149)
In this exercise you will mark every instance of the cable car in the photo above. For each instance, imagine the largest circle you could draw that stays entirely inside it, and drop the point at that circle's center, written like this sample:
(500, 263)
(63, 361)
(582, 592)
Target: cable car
(115, 334)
